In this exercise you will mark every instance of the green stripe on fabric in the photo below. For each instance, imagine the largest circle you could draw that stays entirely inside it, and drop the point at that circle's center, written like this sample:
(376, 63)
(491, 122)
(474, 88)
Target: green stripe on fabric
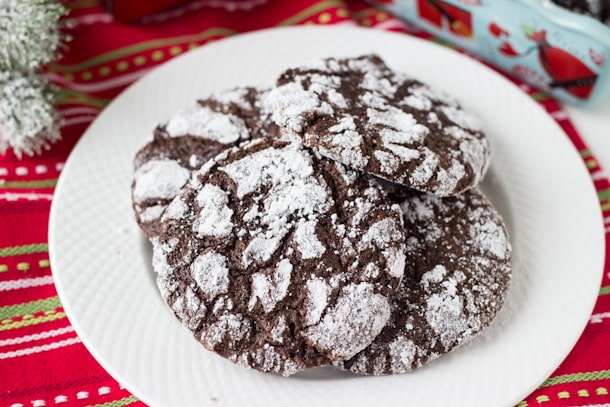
(117, 403)
(311, 11)
(444, 43)
(604, 290)
(604, 194)
(142, 46)
(11, 311)
(585, 153)
(70, 96)
(539, 96)
(25, 249)
(44, 183)
(576, 377)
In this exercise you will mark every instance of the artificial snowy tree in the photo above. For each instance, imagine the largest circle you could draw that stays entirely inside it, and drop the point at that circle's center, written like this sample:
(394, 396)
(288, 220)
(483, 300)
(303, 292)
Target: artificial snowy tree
(28, 120)
(29, 38)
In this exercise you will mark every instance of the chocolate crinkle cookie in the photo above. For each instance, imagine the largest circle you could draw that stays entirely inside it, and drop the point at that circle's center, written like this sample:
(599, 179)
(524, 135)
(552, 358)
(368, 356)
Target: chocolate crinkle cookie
(360, 113)
(190, 138)
(278, 259)
(456, 278)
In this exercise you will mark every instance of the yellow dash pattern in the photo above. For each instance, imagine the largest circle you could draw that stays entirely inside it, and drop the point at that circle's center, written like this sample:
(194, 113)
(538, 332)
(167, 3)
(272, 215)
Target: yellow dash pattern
(7, 325)
(23, 266)
(591, 163)
(342, 13)
(122, 66)
(157, 55)
(563, 395)
(104, 71)
(324, 18)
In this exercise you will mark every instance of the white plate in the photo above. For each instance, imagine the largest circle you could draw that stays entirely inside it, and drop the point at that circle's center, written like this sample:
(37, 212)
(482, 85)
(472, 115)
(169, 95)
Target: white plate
(101, 261)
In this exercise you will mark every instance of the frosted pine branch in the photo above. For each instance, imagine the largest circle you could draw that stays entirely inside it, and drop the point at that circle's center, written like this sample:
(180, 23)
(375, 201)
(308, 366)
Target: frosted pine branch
(28, 120)
(29, 35)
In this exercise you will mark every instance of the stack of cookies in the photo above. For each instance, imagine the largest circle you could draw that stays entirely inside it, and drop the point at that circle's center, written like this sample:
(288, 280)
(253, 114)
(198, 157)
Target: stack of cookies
(333, 219)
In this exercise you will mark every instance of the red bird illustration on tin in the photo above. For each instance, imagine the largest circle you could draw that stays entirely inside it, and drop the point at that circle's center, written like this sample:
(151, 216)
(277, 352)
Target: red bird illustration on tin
(566, 70)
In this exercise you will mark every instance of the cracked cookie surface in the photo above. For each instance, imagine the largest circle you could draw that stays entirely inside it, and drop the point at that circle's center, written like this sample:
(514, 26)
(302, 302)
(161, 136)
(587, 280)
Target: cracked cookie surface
(279, 259)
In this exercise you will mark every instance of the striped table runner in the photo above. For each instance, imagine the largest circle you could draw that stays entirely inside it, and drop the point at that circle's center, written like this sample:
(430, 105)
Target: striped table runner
(42, 360)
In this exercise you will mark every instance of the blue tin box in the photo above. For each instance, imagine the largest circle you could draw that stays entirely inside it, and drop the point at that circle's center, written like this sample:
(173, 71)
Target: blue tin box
(553, 49)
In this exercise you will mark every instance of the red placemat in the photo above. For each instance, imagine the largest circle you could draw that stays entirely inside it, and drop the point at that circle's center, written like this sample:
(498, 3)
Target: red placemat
(42, 361)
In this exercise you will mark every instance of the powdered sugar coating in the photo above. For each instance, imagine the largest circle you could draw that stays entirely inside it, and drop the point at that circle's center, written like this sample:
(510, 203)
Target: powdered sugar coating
(215, 216)
(189, 139)
(156, 182)
(211, 274)
(298, 291)
(380, 234)
(270, 290)
(456, 277)
(357, 111)
(201, 121)
(318, 291)
(307, 241)
(343, 325)
(159, 179)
